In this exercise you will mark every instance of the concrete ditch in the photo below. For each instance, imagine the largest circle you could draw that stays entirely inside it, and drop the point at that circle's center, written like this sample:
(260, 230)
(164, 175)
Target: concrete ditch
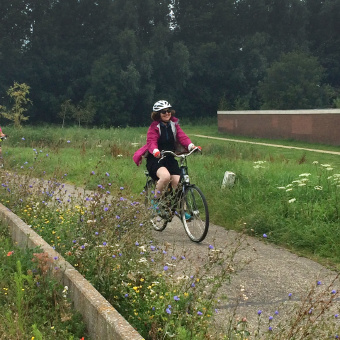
(102, 320)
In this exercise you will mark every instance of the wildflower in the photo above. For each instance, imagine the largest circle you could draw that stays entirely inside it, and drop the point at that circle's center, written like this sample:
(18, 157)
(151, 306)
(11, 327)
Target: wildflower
(126, 295)
(136, 243)
(290, 295)
(336, 316)
(211, 247)
(68, 141)
(270, 328)
(292, 200)
(93, 173)
(168, 310)
(23, 138)
(166, 268)
(270, 318)
(259, 312)
(318, 283)
(305, 175)
(176, 298)
(55, 258)
(276, 312)
(333, 291)
(121, 188)
(318, 187)
(199, 313)
(107, 174)
(10, 253)
(104, 243)
(265, 235)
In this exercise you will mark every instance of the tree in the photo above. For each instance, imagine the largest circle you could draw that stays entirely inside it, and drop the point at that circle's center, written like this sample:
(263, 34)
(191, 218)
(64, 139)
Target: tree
(295, 82)
(67, 111)
(18, 93)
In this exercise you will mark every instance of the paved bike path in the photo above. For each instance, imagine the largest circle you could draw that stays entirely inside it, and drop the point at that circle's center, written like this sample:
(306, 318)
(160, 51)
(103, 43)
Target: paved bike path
(268, 144)
(267, 277)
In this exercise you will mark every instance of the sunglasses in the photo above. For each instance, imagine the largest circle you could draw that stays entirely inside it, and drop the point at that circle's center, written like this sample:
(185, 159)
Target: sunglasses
(165, 111)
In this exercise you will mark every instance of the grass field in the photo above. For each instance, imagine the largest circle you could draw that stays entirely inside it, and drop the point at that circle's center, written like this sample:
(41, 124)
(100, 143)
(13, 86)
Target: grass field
(287, 196)
(290, 196)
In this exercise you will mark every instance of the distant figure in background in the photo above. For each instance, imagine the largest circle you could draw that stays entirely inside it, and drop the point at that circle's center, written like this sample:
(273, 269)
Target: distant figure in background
(2, 135)
(164, 133)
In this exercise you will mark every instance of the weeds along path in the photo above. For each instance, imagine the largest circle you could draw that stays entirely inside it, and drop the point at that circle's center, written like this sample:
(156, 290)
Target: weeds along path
(265, 277)
(268, 144)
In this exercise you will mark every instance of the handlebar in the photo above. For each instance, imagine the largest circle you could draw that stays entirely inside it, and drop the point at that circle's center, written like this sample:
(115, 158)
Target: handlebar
(183, 156)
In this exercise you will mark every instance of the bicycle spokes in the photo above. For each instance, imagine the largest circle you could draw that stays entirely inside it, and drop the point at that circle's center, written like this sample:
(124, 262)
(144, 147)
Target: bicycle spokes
(194, 214)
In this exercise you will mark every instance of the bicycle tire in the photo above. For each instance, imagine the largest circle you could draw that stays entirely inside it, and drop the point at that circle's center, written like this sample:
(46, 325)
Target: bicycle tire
(158, 217)
(194, 203)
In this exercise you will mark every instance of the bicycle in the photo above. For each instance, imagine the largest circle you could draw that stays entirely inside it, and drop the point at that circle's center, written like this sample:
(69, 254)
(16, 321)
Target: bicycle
(187, 202)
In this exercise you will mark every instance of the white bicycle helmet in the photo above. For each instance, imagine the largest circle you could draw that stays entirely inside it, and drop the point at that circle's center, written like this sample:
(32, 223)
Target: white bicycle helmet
(160, 105)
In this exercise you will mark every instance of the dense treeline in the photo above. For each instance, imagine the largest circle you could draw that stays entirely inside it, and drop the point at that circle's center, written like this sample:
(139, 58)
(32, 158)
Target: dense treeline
(111, 59)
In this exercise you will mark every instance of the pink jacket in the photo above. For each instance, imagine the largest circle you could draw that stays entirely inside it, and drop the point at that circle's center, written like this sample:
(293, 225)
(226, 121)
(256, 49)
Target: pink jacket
(181, 139)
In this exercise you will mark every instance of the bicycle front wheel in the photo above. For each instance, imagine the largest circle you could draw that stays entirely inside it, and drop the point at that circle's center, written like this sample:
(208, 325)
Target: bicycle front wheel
(159, 217)
(195, 214)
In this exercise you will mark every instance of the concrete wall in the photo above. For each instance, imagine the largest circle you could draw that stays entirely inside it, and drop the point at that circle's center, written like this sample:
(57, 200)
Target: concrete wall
(103, 321)
(314, 126)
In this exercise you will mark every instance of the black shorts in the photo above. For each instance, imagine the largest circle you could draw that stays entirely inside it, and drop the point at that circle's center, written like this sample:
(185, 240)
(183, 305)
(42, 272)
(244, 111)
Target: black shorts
(152, 165)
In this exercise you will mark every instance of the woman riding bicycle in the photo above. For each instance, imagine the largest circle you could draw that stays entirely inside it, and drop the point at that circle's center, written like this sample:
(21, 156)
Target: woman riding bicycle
(164, 133)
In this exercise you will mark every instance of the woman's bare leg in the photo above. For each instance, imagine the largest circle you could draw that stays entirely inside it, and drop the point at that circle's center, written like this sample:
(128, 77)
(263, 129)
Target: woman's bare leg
(174, 179)
(164, 179)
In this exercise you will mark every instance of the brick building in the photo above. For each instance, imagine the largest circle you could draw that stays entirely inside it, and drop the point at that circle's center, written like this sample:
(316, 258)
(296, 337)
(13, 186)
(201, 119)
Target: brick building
(314, 126)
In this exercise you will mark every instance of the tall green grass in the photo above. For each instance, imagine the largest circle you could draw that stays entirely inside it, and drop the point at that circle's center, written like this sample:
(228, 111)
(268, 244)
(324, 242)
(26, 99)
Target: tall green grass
(308, 225)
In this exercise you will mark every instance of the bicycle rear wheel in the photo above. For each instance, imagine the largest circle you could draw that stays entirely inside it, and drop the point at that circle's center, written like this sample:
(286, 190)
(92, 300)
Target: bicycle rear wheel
(194, 204)
(159, 215)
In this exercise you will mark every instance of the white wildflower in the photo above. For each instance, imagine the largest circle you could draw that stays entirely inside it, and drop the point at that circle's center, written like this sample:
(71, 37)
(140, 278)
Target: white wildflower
(282, 188)
(65, 292)
(326, 165)
(305, 175)
(302, 184)
(318, 187)
(329, 169)
(289, 189)
(292, 200)
(315, 162)
(142, 248)
(142, 260)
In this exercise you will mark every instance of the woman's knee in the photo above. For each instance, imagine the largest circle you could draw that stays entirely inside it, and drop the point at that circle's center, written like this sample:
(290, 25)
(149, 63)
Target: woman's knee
(163, 175)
